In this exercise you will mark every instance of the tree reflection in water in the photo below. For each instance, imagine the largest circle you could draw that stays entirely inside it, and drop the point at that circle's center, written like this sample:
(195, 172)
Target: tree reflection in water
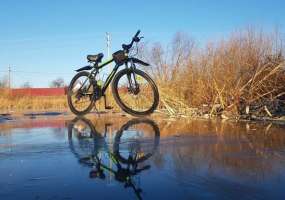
(244, 151)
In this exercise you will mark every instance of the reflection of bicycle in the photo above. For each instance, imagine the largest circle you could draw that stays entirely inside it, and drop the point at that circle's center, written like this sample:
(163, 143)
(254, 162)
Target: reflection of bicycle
(134, 143)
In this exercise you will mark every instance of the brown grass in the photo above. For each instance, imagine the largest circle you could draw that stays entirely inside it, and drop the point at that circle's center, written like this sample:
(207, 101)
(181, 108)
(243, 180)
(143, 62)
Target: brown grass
(9, 103)
(247, 70)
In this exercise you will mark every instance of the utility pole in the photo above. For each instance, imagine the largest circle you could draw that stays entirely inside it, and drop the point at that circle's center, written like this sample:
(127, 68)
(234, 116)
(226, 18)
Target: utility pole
(108, 38)
(9, 78)
(9, 81)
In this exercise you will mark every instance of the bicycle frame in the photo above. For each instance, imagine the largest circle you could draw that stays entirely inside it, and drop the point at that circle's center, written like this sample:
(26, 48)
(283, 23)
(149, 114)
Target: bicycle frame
(110, 76)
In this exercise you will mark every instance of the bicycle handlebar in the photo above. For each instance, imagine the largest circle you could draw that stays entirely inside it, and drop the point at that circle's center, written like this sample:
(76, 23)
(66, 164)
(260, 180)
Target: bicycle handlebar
(127, 47)
(137, 34)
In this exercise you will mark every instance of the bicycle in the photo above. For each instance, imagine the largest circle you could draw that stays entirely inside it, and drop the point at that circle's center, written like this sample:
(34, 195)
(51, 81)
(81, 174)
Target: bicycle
(134, 90)
(88, 145)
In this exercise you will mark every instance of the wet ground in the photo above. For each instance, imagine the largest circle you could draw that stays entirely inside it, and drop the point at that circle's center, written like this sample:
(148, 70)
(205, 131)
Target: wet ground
(112, 157)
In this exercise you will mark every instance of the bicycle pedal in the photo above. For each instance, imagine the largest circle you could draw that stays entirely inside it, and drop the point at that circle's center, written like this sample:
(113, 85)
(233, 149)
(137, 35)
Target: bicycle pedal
(108, 107)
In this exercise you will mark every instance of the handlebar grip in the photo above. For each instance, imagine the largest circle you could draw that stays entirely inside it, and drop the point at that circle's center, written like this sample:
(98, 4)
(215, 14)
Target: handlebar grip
(138, 32)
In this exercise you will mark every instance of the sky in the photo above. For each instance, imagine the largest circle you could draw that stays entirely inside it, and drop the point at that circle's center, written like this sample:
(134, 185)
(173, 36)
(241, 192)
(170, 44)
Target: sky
(42, 40)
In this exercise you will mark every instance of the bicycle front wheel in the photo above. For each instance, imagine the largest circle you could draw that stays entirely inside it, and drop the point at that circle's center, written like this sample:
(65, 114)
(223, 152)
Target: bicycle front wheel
(136, 141)
(135, 92)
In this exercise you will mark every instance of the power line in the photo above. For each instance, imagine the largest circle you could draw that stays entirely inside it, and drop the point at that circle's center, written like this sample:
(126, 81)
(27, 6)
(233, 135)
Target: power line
(37, 72)
(34, 72)
(30, 75)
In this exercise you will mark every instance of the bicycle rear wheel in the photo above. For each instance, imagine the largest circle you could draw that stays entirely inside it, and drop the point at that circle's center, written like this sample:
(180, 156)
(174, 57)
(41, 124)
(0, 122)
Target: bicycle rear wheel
(135, 92)
(80, 94)
(85, 142)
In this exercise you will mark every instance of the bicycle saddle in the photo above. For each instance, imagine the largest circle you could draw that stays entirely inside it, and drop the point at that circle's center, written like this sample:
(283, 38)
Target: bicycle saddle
(95, 58)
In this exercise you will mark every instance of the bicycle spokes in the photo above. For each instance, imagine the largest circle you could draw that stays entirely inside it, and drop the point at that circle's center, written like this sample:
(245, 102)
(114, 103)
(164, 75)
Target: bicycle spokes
(135, 92)
(81, 93)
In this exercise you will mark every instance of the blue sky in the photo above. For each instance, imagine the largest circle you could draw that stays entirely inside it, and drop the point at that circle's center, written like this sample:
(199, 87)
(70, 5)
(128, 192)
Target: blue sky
(45, 39)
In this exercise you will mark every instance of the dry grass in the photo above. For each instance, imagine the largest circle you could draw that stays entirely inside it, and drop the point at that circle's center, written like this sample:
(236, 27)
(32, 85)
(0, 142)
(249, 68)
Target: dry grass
(247, 70)
(10, 103)
(25, 103)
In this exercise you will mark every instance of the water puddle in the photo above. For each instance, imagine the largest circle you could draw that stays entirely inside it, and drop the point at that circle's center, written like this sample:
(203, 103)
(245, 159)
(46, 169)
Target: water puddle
(120, 158)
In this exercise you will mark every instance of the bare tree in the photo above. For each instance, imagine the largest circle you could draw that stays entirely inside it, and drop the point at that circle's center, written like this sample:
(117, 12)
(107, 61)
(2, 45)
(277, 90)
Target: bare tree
(26, 85)
(57, 83)
(169, 61)
(4, 82)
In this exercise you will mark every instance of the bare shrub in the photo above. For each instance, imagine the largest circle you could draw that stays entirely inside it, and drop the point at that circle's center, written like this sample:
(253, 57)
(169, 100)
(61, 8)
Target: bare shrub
(57, 83)
(4, 82)
(245, 70)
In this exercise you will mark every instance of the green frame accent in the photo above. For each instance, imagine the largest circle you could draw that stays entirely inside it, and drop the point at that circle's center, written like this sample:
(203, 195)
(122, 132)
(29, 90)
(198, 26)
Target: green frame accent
(111, 75)
(105, 63)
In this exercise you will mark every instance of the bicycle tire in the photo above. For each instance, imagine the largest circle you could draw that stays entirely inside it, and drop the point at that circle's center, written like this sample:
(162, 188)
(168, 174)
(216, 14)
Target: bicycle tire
(69, 92)
(119, 101)
(133, 122)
